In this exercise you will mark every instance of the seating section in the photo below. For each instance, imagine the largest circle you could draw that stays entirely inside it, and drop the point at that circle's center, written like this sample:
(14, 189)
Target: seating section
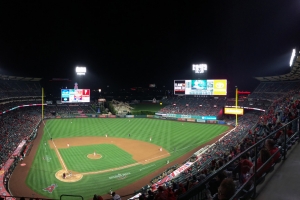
(280, 100)
(252, 127)
(202, 106)
(14, 88)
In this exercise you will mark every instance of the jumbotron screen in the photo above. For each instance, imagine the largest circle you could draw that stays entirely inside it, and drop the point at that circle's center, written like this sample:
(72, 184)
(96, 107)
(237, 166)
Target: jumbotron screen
(75, 95)
(201, 87)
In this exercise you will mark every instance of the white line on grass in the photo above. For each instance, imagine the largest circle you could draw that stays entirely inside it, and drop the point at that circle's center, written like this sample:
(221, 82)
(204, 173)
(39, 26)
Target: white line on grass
(57, 152)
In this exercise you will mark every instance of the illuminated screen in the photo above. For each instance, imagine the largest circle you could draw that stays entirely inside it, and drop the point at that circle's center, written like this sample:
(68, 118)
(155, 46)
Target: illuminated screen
(234, 111)
(201, 87)
(75, 95)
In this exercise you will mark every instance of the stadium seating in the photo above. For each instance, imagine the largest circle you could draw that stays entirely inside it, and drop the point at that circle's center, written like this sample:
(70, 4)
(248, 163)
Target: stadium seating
(279, 99)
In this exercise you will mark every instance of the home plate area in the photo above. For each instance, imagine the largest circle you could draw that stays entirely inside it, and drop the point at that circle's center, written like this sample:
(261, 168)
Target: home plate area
(68, 176)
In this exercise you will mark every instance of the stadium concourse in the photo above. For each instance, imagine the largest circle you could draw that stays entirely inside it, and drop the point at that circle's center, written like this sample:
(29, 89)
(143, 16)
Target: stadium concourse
(280, 100)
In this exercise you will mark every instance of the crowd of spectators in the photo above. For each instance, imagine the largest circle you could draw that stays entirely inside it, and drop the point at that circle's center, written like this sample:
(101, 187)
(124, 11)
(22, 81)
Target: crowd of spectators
(67, 110)
(202, 106)
(16, 126)
(14, 88)
(280, 100)
(252, 127)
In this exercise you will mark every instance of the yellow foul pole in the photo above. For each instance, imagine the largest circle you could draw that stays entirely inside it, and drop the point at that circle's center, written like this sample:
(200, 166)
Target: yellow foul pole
(236, 105)
(42, 103)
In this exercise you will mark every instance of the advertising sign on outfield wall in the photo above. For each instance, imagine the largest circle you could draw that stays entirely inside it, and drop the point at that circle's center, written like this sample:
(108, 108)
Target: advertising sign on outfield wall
(171, 115)
(190, 120)
(102, 116)
(211, 121)
(201, 120)
(129, 116)
(150, 116)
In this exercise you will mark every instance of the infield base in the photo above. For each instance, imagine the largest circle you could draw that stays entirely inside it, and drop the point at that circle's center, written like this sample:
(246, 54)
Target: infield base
(69, 178)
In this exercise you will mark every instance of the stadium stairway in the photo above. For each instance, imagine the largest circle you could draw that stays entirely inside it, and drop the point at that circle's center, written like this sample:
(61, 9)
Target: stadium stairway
(284, 183)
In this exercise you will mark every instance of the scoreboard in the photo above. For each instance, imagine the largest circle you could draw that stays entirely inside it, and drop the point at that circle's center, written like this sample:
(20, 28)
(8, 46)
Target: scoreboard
(75, 95)
(201, 87)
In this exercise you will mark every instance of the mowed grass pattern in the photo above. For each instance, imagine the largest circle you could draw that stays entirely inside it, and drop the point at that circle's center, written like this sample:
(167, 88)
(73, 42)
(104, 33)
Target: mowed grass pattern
(112, 157)
(170, 135)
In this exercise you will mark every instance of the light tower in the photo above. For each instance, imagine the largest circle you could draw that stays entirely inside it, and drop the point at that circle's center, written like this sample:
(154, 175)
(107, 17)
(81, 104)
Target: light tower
(80, 71)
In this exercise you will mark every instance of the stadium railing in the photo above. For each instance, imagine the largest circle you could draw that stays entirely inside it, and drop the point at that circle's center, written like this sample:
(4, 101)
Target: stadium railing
(200, 190)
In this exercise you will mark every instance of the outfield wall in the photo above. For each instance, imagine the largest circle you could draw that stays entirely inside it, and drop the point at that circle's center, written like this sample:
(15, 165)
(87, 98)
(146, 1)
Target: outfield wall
(176, 117)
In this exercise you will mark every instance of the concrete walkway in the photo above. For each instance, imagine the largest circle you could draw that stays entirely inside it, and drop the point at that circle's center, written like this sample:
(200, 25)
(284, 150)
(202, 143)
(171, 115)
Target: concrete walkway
(285, 180)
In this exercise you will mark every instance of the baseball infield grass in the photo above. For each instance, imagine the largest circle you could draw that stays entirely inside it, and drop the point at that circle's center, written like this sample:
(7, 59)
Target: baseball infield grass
(74, 157)
(171, 135)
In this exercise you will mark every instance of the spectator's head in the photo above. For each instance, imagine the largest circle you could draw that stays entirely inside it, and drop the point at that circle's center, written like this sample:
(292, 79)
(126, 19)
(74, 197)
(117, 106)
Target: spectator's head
(221, 176)
(226, 189)
(269, 144)
(244, 156)
(264, 155)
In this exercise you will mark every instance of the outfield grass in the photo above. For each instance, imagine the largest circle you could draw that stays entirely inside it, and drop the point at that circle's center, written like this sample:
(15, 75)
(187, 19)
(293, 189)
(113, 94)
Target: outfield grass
(168, 134)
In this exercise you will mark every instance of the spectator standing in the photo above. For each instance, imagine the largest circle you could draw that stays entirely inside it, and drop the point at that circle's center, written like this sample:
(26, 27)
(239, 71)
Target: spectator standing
(115, 196)
(270, 146)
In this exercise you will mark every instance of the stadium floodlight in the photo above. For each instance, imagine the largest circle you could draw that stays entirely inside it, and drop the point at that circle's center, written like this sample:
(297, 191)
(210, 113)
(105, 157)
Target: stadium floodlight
(80, 70)
(199, 68)
(292, 57)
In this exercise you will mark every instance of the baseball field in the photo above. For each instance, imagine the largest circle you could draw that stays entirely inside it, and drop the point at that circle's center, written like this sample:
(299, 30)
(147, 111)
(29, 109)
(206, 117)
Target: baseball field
(97, 155)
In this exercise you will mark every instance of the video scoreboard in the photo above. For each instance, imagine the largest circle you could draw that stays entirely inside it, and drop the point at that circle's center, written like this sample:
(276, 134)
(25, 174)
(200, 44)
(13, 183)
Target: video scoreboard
(201, 87)
(75, 95)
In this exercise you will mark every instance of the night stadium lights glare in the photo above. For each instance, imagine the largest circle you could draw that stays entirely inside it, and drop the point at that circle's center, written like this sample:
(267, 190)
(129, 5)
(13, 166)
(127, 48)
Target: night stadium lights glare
(80, 70)
(199, 68)
(292, 57)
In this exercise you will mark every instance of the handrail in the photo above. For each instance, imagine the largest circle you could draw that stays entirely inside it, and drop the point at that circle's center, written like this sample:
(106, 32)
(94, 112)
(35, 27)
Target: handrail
(197, 189)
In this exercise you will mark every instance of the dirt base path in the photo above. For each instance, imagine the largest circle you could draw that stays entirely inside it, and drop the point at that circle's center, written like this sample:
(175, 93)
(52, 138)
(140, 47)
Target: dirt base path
(18, 187)
(142, 152)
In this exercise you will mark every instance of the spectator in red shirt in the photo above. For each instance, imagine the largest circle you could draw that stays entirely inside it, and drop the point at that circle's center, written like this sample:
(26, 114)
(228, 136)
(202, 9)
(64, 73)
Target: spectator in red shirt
(270, 146)
(181, 190)
(245, 166)
(263, 157)
(226, 189)
(290, 132)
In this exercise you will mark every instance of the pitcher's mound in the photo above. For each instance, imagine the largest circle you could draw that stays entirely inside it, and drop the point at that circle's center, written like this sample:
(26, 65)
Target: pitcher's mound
(70, 176)
(94, 156)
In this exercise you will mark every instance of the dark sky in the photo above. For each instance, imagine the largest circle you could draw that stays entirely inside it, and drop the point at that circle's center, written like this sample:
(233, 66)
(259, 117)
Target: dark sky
(135, 43)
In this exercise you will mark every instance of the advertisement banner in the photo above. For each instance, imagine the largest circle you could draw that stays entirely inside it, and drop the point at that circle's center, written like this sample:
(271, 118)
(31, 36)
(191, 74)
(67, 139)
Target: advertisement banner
(234, 111)
(185, 116)
(102, 116)
(111, 116)
(211, 121)
(221, 122)
(181, 119)
(190, 120)
(172, 115)
(140, 116)
(209, 117)
(150, 116)
(129, 116)
(201, 120)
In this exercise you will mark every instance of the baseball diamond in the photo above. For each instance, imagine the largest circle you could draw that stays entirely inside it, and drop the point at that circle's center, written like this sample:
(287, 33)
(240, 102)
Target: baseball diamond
(81, 159)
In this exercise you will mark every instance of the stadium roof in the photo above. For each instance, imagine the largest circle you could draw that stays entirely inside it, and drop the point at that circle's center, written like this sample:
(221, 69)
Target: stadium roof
(17, 78)
(292, 76)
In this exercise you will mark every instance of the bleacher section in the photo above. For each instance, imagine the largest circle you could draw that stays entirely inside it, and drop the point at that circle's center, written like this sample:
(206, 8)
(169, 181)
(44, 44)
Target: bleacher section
(197, 174)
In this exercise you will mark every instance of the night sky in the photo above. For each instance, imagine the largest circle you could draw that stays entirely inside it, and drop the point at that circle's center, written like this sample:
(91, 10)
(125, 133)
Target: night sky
(134, 43)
